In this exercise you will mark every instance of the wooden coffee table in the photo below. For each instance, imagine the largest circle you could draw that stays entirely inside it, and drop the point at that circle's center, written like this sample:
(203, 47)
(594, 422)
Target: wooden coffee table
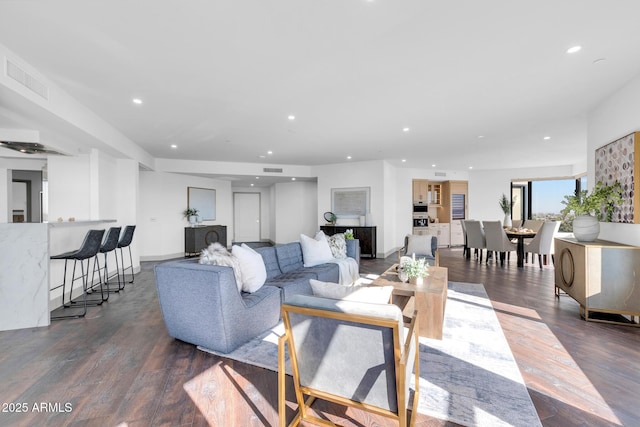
(428, 299)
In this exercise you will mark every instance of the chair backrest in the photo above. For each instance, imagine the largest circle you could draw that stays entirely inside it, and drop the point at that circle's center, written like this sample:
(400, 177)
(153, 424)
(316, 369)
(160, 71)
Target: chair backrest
(127, 236)
(432, 249)
(359, 343)
(111, 240)
(90, 246)
(533, 224)
(475, 235)
(542, 243)
(495, 236)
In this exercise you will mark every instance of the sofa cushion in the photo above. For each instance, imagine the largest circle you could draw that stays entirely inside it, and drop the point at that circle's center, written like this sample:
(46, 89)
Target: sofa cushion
(289, 257)
(315, 251)
(329, 272)
(292, 283)
(270, 259)
(254, 273)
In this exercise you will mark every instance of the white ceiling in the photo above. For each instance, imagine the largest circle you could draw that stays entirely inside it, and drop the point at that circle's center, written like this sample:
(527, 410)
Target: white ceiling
(219, 78)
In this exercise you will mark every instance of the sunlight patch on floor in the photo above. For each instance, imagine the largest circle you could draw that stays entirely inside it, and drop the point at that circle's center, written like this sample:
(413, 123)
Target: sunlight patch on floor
(526, 328)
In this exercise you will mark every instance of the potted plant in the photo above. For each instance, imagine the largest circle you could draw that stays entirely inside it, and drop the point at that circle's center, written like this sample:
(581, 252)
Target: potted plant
(191, 214)
(506, 205)
(589, 209)
(415, 270)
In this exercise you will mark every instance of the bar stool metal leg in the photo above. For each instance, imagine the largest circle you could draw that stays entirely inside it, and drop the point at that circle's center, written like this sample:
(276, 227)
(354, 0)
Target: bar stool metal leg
(87, 251)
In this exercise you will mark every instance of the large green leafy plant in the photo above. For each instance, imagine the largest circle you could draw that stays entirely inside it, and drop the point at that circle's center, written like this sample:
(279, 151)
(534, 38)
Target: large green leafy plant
(600, 203)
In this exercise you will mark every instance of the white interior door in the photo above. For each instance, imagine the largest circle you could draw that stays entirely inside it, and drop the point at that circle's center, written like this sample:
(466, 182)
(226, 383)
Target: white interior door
(246, 217)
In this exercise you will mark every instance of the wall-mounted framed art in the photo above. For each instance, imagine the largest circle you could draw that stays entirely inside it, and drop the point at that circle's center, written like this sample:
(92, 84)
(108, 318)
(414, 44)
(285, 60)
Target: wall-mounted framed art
(350, 202)
(620, 161)
(203, 199)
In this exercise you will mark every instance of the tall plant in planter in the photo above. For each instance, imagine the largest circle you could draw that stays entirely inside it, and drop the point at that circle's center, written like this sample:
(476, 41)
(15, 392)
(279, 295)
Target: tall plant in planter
(506, 205)
(589, 209)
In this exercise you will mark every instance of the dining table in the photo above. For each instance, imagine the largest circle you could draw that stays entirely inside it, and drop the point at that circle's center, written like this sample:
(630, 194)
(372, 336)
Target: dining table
(520, 234)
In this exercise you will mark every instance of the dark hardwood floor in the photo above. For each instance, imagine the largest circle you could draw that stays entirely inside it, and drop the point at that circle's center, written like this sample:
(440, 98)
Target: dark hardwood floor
(118, 367)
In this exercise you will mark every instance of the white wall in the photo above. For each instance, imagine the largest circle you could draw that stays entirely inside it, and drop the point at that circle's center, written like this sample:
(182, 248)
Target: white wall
(486, 187)
(163, 197)
(70, 187)
(296, 208)
(615, 117)
(348, 175)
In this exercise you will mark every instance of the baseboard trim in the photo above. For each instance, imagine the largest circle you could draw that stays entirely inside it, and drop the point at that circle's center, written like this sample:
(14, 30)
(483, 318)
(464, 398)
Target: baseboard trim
(162, 257)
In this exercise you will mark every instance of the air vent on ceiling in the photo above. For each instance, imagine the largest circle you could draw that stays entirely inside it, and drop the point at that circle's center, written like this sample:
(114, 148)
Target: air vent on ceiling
(276, 170)
(26, 79)
(440, 174)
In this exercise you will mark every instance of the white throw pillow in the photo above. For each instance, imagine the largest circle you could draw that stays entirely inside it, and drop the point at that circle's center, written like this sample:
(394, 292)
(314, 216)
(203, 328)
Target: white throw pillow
(315, 251)
(254, 273)
(419, 245)
(372, 294)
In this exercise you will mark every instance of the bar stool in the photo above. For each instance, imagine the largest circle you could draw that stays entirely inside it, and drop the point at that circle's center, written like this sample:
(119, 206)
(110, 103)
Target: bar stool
(109, 245)
(88, 250)
(125, 242)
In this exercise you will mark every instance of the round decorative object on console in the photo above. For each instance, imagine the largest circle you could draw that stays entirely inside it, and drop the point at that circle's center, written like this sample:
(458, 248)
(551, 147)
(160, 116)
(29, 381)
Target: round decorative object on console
(586, 228)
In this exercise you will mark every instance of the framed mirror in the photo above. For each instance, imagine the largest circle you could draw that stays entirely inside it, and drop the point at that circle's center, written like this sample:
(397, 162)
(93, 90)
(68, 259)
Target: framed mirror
(204, 200)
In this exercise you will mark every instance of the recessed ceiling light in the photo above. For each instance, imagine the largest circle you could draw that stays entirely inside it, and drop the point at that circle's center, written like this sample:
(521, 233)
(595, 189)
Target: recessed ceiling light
(291, 117)
(546, 138)
(480, 136)
(174, 146)
(404, 160)
(348, 157)
(433, 165)
(293, 179)
(269, 152)
(137, 101)
(257, 177)
(574, 49)
(470, 167)
(405, 129)
(252, 184)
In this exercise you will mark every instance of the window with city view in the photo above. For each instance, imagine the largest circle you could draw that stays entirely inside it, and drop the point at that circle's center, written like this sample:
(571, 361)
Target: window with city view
(547, 197)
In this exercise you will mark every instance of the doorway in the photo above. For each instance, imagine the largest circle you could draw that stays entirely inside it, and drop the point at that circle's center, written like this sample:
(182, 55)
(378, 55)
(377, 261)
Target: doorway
(246, 217)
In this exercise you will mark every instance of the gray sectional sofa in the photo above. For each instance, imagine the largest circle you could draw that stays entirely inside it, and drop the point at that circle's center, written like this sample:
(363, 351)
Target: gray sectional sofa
(201, 304)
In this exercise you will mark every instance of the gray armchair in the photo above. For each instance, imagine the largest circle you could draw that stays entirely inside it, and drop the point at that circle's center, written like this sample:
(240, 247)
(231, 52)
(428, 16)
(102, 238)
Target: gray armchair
(362, 344)
(424, 246)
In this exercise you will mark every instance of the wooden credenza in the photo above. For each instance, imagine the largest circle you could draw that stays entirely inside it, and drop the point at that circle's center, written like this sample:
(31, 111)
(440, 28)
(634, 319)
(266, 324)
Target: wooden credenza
(366, 235)
(602, 276)
(198, 238)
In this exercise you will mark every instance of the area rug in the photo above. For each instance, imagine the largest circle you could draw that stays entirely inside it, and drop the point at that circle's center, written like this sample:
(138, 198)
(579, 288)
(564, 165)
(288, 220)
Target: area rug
(469, 377)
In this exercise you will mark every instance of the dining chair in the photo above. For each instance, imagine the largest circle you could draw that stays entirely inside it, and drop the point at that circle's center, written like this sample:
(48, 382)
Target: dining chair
(476, 238)
(497, 240)
(465, 249)
(542, 243)
(351, 353)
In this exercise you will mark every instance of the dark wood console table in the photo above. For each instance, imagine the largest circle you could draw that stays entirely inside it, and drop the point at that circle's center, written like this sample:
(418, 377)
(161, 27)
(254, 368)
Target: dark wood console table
(366, 235)
(198, 238)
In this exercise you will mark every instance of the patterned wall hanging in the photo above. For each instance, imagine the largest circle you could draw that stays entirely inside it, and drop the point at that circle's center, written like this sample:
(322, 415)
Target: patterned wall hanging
(617, 161)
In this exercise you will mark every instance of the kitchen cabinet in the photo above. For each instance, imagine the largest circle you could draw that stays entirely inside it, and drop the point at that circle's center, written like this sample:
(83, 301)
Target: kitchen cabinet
(427, 192)
(420, 191)
(440, 230)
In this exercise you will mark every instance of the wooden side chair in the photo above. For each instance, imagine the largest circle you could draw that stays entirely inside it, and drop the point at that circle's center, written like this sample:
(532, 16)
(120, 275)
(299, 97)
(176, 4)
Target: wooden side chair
(350, 353)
